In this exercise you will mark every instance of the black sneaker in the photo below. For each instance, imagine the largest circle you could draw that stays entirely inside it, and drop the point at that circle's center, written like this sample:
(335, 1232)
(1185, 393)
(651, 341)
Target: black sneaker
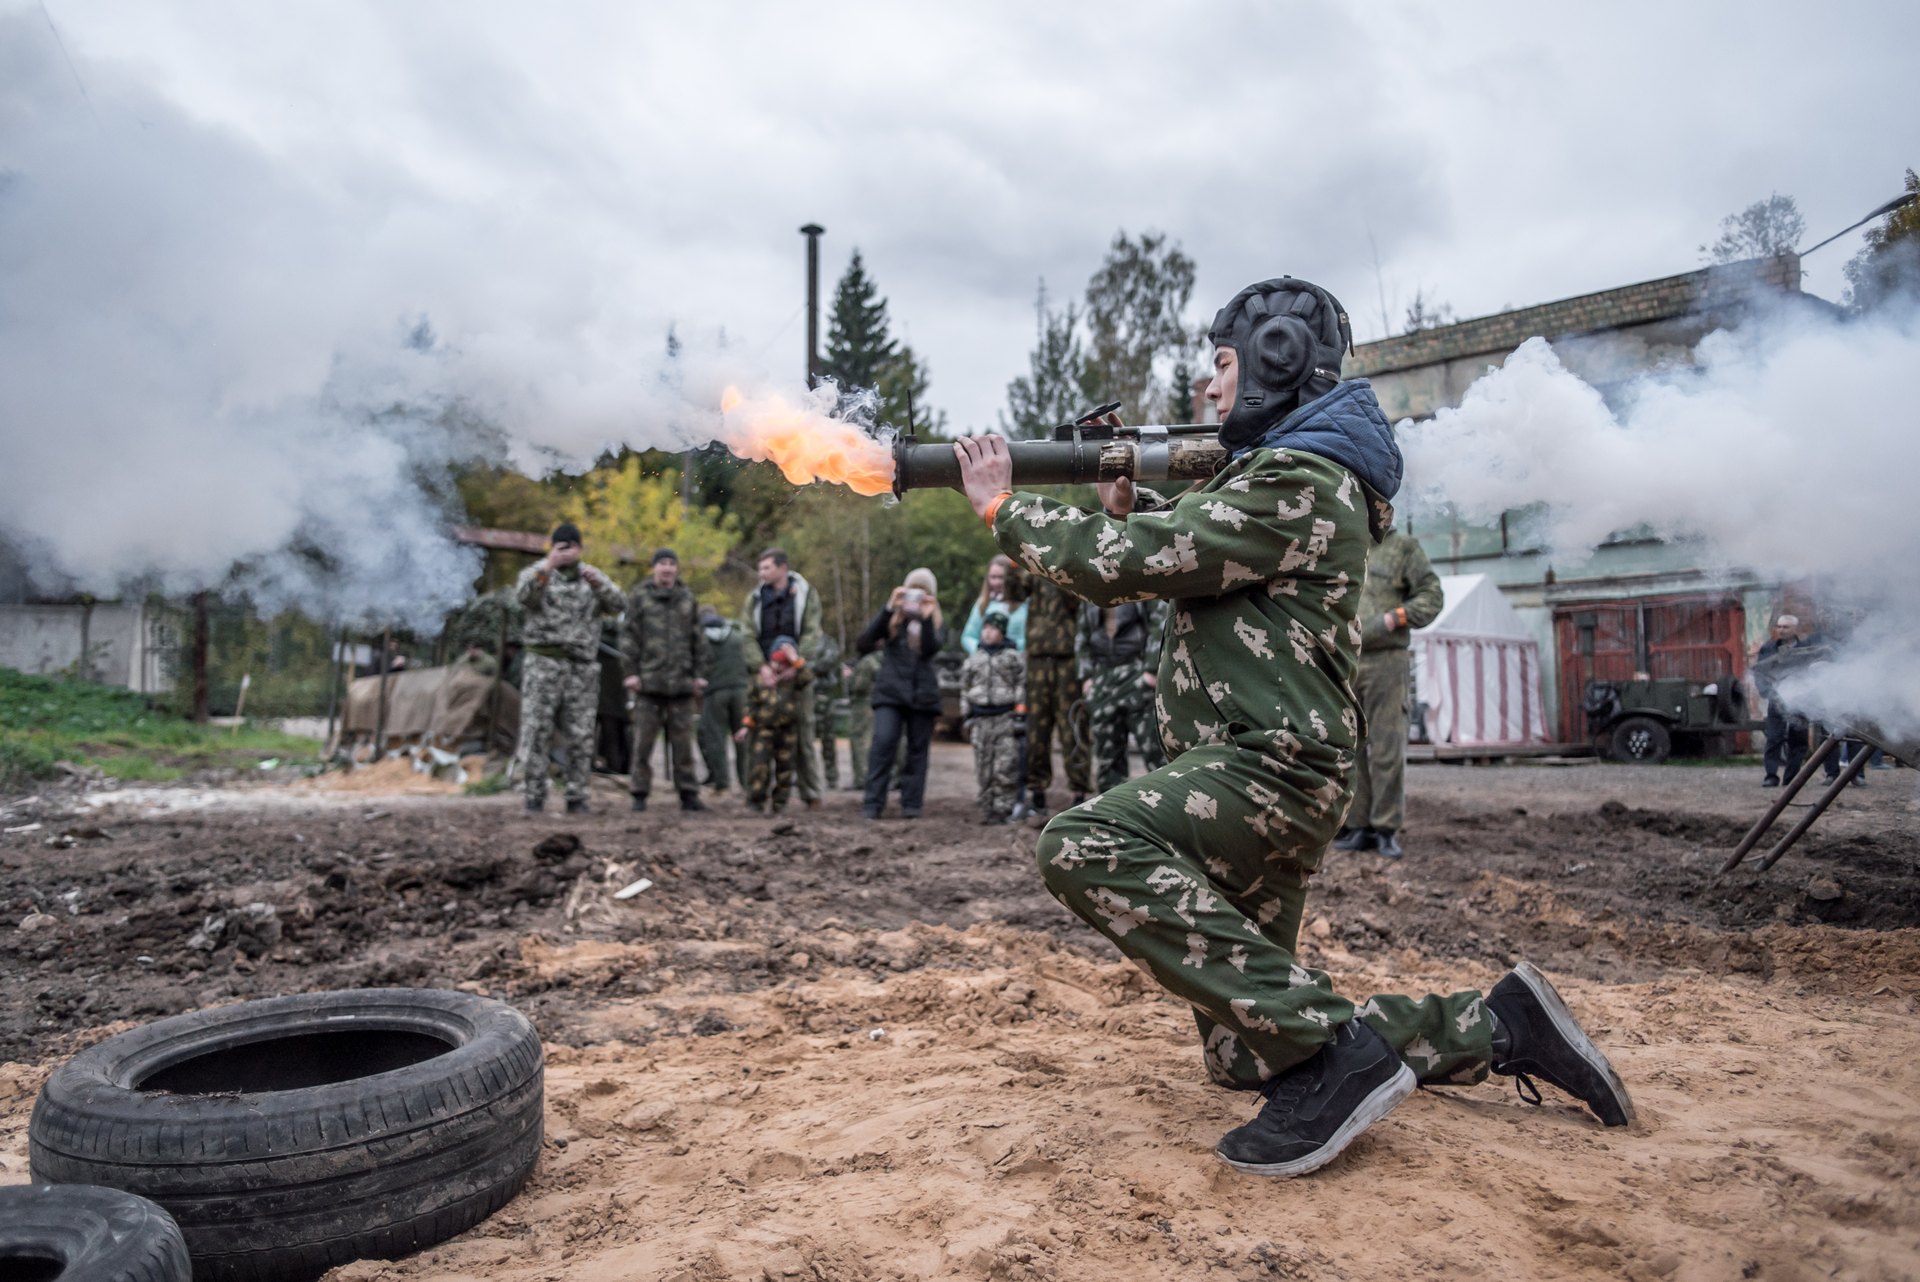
(1039, 806)
(1354, 839)
(690, 800)
(639, 802)
(1771, 781)
(577, 805)
(536, 807)
(1315, 1109)
(1386, 844)
(1543, 1040)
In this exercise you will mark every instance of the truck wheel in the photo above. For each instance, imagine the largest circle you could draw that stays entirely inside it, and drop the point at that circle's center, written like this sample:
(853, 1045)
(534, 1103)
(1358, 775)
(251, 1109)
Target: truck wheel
(79, 1233)
(1641, 739)
(294, 1134)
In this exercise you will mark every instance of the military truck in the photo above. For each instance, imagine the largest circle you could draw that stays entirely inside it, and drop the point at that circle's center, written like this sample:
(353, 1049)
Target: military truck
(1646, 720)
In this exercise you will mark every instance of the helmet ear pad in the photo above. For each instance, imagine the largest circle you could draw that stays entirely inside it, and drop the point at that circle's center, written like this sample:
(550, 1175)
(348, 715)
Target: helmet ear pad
(1279, 354)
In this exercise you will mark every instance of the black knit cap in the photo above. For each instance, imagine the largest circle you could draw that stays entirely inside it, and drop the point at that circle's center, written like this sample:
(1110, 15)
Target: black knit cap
(664, 554)
(995, 619)
(566, 532)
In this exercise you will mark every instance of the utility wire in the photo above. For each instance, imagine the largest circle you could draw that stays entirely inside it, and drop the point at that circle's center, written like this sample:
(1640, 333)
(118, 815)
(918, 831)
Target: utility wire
(72, 70)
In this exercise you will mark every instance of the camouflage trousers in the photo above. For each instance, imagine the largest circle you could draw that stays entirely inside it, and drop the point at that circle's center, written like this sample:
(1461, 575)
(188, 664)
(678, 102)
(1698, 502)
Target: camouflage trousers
(771, 751)
(720, 715)
(569, 691)
(829, 743)
(996, 763)
(1053, 687)
(652, 714)
(1122, 705)
(1380, 784)
(1198, 872)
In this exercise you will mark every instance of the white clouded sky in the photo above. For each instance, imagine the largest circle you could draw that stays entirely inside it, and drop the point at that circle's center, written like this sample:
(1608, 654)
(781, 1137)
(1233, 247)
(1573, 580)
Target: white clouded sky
(647, 163)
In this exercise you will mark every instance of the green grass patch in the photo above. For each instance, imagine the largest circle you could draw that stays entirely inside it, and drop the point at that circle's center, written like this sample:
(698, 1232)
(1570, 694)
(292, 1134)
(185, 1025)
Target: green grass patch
(486, 786)
(44, 720)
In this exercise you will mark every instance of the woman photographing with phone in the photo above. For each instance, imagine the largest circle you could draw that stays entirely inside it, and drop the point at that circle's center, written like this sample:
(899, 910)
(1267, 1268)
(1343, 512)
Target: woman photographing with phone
(908, 632)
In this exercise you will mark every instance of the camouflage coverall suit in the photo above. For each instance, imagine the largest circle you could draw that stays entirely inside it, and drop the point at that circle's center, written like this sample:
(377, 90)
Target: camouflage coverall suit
(1198, 871)
(1053, 687)
(826, 690)
(663, 644)
(1400, 578)
(1116, 648)
(775, 721)
(561, 612)
(992, 688)
(725, 703)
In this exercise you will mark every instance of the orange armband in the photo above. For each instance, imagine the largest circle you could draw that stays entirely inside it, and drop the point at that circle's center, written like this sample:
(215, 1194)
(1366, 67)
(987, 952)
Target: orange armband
(993, 507)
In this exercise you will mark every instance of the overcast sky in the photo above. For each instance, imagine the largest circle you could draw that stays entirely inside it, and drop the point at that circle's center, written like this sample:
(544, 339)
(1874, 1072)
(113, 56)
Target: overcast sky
(638, 164)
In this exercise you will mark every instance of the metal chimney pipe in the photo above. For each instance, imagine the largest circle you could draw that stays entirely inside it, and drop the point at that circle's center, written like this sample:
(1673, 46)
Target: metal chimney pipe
(813, 232)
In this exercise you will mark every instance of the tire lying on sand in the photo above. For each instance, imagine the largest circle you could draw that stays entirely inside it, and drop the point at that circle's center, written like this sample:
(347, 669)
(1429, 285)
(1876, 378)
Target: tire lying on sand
(290, 1135)
(79, 1233)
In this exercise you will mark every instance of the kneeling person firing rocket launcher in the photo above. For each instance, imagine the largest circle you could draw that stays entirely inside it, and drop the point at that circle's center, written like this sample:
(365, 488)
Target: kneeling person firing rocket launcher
(1198, 871)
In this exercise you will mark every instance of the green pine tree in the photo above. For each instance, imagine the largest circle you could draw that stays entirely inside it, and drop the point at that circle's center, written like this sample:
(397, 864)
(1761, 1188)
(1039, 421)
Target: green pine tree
(859, 346)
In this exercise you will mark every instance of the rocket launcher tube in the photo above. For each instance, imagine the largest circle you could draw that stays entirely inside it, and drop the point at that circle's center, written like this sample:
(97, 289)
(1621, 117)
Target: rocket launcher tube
(1155, 453)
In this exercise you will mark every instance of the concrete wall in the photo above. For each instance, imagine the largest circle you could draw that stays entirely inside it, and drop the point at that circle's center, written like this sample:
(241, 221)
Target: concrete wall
(45, 639)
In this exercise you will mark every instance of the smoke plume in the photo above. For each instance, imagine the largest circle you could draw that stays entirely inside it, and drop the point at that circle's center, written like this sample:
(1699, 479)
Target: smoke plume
(222, 368)
(1789, 449)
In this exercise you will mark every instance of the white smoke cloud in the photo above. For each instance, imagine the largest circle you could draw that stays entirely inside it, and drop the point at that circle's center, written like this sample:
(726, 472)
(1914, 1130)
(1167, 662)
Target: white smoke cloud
(1790, 449)
(209, 356)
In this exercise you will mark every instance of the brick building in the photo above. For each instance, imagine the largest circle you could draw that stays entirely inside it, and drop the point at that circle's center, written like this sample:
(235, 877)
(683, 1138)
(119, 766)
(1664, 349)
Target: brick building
(1639, 604)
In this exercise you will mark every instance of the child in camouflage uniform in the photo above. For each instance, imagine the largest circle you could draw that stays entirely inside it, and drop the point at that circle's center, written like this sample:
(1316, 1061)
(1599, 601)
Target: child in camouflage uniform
(992, 702)
(1198, 870)
(771, 728)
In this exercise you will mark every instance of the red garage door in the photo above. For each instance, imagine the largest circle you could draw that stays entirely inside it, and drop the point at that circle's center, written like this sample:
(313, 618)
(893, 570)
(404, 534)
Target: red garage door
(1701, 638)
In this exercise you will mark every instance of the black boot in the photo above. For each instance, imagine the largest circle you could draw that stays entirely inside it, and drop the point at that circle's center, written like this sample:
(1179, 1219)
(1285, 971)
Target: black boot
(1535, 1035)
(1354, 839)
(639, 802)
(577, 805)
(536, 807)
(1317, 1108)
(1039, 806)
(1386, 844)
(690, 800)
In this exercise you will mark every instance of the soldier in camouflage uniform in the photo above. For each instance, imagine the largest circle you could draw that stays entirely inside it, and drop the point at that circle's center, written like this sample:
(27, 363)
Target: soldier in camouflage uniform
(1198, 871)
(664, 652)
(827, 685)
(860, 719)
(1053, 686)
(774, 724)
(725, 702)
(1118, 653)
(1402, 593)
(561, 599)
(993, 705)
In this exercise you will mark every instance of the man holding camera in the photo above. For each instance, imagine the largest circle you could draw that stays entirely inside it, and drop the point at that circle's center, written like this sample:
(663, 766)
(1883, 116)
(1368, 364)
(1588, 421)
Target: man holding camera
(1198, 870)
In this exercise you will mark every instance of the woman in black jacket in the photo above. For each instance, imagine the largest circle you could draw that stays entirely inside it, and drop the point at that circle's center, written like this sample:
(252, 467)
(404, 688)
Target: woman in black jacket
(906, 692)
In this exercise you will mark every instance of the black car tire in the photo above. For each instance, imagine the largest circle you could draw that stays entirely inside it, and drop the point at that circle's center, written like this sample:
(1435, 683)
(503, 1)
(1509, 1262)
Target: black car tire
(80, 1233)
(294, 1134)
(1641, 739)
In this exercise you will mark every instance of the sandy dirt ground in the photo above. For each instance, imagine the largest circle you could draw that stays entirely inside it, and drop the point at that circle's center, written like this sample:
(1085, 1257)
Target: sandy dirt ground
(820, 1048)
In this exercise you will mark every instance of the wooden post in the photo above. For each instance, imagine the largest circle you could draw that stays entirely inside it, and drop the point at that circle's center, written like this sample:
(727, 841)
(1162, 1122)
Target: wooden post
(333, 681)
(499, 675)
(200, 629)
(380, 716)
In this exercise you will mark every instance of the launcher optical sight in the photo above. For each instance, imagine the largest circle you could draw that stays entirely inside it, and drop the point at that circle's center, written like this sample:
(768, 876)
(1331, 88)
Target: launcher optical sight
(1081, 453)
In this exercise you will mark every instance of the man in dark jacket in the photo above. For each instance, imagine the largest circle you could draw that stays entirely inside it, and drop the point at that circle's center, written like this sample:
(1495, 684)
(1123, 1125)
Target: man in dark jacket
(665, 653)
(1786, 730)
(785, 605)
(1118, 650)
(1402, 593)
(1198, 871)
(725, 702)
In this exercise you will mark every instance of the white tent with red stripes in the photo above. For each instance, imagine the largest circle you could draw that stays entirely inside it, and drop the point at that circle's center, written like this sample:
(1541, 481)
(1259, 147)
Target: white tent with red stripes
(1477, 668)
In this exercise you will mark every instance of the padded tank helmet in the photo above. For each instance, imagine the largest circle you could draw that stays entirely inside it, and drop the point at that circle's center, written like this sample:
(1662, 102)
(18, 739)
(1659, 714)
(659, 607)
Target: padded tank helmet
(1289, 337)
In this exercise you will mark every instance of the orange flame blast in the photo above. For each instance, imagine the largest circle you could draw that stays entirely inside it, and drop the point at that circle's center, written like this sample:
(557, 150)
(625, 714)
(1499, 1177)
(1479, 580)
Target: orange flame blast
(805, 442)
